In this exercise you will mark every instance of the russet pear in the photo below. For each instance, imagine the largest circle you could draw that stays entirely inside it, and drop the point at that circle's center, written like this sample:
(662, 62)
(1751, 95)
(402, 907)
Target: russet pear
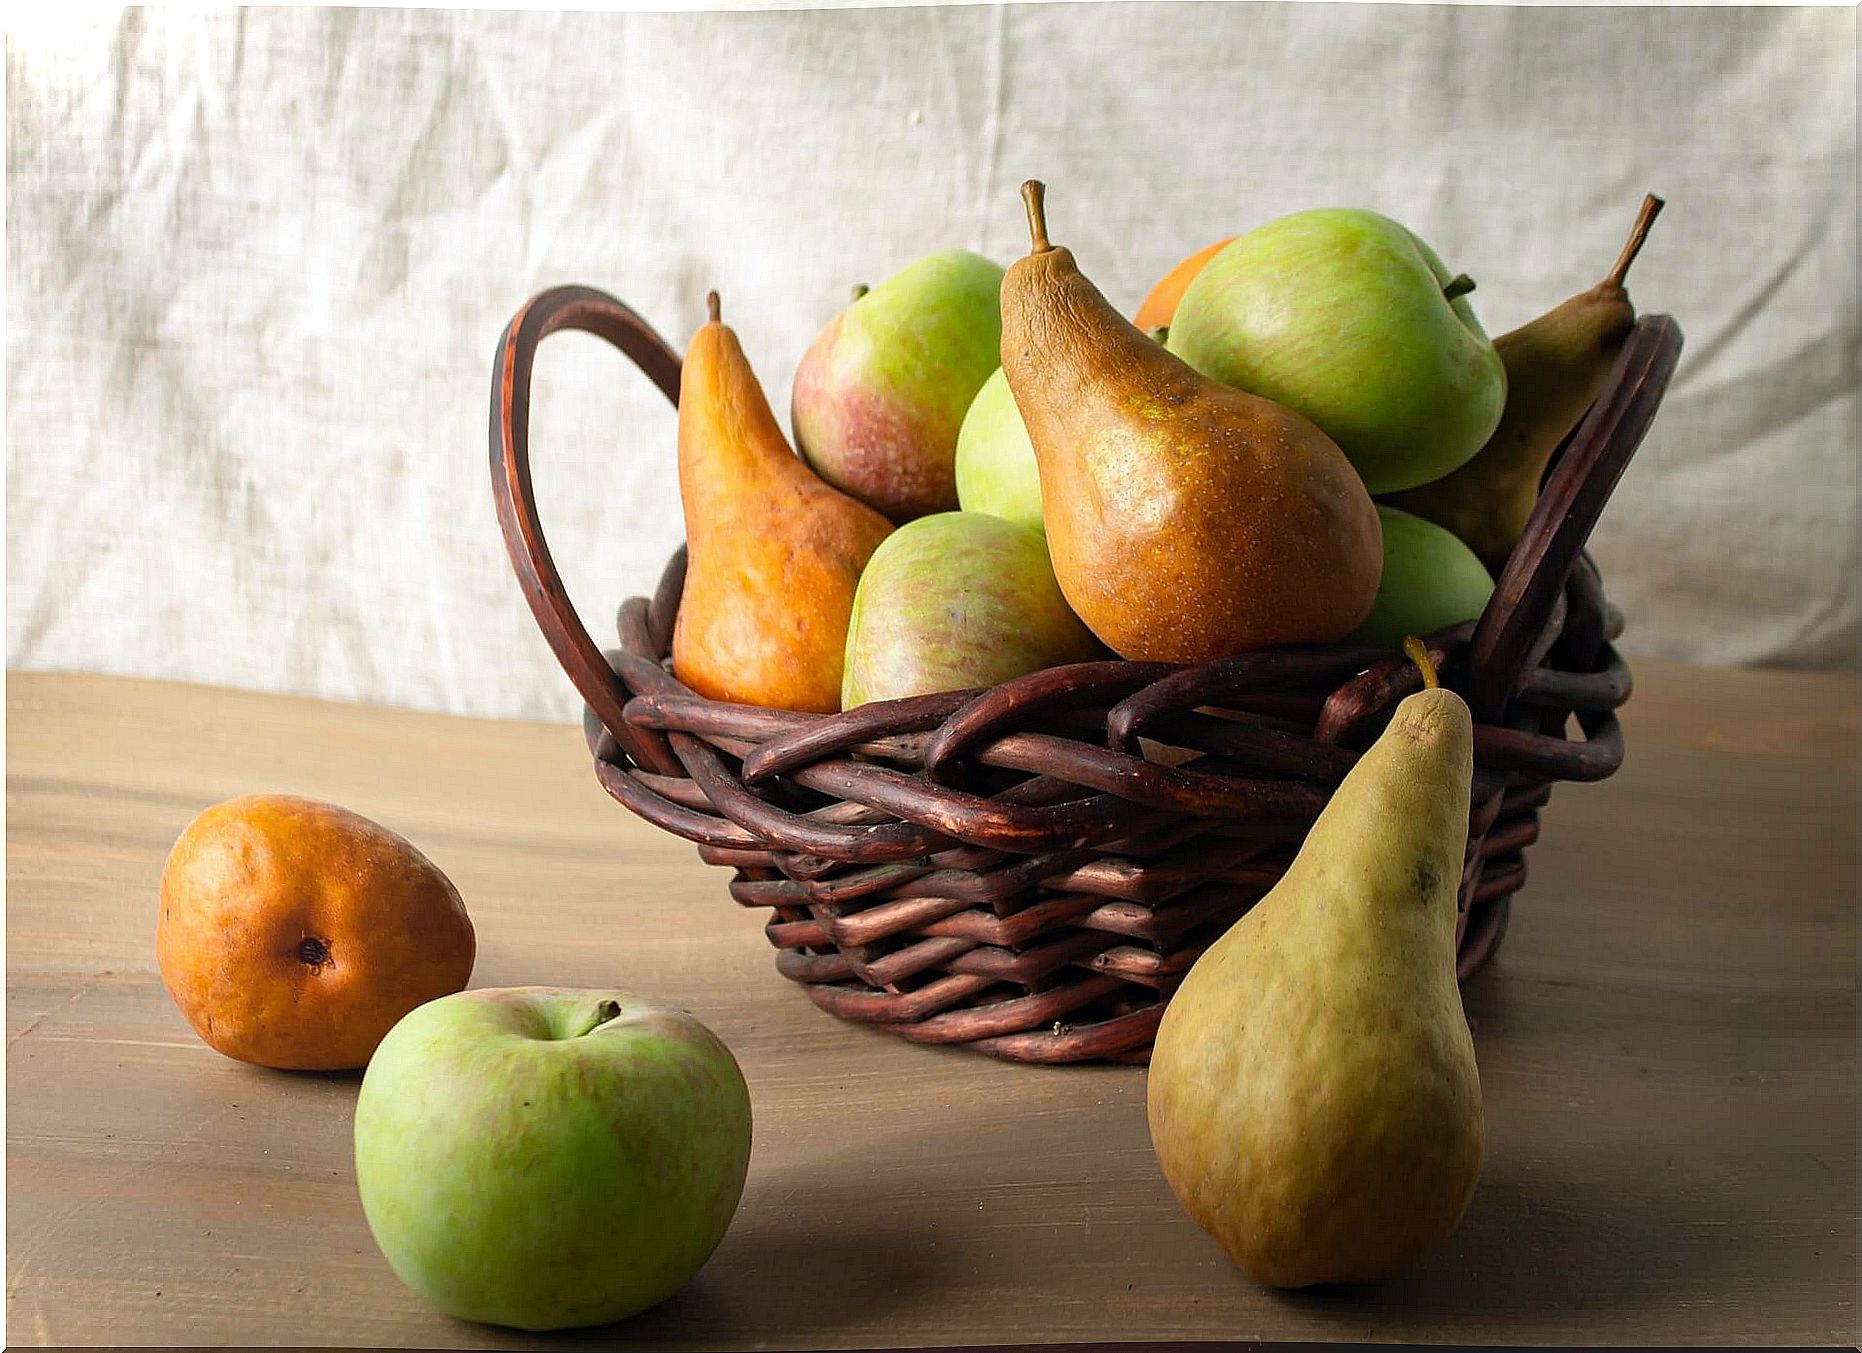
(1187, 520)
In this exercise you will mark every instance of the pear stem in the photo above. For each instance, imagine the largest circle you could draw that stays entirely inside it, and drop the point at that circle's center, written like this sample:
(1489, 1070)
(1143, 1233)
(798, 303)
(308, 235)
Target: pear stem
(1034, 195)
(1424, 663)
(712, 310)
(1651, 208)
(860, 289)
(1458, 286)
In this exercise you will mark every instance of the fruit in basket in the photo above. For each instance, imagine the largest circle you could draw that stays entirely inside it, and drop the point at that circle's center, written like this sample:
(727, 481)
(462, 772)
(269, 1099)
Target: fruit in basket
(546, 1158)
(1159, 306)
(773, 554)
(957, 601)
(1430, 580)
(293, 933)
(882, 390)
(996, 469)
(1556, 366)
(1354, 322)
(1187, 520)
(1313, 1098)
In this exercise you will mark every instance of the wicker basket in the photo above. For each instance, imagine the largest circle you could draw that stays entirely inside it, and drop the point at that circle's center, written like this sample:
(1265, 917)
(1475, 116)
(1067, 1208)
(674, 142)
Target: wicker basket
(1028, 870)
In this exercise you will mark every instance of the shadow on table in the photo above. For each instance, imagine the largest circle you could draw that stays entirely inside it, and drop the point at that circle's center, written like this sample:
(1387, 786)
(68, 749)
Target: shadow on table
(1538, 1252)
(830, 1264)
(1611, 1219)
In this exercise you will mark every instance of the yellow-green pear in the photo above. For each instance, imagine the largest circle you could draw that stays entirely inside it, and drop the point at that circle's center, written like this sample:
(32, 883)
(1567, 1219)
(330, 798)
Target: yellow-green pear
(1556, 367)
(1313, 1098)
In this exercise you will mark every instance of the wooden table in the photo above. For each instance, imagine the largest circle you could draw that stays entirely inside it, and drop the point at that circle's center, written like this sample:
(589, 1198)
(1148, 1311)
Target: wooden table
(1667, 1041)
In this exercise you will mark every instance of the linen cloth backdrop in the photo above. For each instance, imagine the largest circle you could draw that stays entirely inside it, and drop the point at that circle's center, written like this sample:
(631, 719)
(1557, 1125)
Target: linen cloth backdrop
(257, 261)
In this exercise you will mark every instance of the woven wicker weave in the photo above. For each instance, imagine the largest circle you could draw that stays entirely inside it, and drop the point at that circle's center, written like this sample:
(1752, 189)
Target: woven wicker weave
(1028, 870)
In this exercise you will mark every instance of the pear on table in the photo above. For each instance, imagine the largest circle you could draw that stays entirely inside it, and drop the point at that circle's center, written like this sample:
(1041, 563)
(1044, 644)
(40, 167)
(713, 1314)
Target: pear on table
(773, 554)
(1556, 366)
(1313, 1098)
(1187, 520)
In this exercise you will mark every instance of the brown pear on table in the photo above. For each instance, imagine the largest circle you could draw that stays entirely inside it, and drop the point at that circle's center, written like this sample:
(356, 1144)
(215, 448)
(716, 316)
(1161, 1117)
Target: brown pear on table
(1556, 367)
(1313, 1098)
(773, 554)
(1186, 519)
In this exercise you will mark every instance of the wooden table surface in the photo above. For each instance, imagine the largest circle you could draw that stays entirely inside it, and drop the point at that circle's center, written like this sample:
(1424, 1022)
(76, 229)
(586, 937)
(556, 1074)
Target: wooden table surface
(1667, 1043)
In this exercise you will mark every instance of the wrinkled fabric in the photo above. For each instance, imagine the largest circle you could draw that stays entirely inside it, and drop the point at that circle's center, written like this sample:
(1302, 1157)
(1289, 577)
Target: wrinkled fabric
(257, 262)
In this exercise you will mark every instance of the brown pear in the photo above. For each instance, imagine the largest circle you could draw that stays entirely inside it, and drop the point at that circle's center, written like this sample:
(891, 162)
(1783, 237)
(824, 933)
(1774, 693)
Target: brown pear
(1187, 520)
(1556, 366)
(773, 553)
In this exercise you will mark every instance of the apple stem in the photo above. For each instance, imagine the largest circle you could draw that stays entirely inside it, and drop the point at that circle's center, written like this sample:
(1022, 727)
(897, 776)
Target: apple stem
(604, 1012)
(1639, 232)
(1459, 285)
(1424, 663)
(860, 289)
(1034, 195)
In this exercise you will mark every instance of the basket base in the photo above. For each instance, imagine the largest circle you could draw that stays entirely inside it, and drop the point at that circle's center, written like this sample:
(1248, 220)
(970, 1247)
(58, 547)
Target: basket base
(1127, 1038)
(1486, 925)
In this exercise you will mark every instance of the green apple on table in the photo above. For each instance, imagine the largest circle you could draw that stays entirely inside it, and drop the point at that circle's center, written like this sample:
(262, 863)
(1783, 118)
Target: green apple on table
(1348, 318)
(996, 468)
(1430, 580)
(544, 1158)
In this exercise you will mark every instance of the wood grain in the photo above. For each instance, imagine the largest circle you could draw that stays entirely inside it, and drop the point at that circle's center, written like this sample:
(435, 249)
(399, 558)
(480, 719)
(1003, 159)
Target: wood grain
(1667, 1043)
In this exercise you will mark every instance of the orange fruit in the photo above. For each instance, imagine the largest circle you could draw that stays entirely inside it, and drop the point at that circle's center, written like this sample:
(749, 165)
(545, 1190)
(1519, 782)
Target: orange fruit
(294, 933)
(1160, 307)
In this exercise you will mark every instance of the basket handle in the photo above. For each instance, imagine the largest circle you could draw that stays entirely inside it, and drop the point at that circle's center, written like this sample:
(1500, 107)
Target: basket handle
(1573, 498)
(593, 312)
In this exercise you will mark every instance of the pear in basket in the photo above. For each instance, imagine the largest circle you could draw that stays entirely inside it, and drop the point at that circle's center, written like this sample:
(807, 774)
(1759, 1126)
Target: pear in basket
(1556, 366)
(773, 553)
(1186, 520)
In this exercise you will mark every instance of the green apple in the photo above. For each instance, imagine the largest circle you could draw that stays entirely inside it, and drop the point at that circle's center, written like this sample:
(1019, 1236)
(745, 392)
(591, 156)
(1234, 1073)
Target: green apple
(957, 601)
(882, 390)
(996, 470)
(1348, 318)
(545, 1158)
(1430, 580)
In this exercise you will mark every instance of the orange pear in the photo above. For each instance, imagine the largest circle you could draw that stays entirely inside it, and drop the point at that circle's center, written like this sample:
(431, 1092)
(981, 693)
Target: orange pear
(773, 553)
(1159, 306)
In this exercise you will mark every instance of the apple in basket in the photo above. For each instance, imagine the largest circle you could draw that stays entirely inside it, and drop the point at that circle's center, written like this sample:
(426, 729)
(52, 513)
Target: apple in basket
(545, 1158)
